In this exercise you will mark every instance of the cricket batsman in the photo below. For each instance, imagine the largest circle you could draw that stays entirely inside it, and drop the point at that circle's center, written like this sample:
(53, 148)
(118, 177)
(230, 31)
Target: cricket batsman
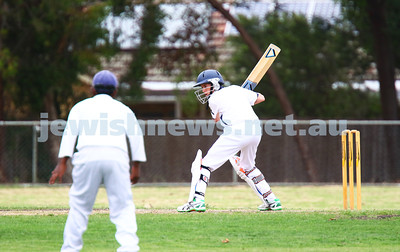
(232, 107)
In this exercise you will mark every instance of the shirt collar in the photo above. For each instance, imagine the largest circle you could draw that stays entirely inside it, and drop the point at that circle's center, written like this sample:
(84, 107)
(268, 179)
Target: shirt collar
(102, 96)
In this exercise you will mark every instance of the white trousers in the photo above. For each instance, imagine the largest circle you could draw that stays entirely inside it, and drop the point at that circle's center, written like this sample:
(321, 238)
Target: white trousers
(88, 173)
(230, 143)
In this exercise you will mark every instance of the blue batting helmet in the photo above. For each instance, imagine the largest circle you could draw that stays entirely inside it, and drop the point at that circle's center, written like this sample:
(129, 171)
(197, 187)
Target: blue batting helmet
(207, 75)
(212, 77)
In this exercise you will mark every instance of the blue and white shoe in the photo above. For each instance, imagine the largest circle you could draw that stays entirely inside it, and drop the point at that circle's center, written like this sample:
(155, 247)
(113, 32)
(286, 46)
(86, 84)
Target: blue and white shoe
(194, 205)
(275, 206)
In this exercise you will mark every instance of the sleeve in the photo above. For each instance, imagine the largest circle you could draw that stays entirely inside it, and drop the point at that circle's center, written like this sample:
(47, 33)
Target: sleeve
(70, 134)
(213, 108)
(135, 138)
(251, 96)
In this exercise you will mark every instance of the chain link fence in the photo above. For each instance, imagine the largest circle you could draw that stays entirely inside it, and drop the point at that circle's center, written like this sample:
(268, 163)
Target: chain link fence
(172, 145)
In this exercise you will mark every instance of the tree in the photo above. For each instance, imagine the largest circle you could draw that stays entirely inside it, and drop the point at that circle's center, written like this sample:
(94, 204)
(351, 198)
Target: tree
(377, 22)
(371, 19)
(7, 72)
(50, 43)
(53, 42)
(187, 52)
(151, 29)
(315, 55)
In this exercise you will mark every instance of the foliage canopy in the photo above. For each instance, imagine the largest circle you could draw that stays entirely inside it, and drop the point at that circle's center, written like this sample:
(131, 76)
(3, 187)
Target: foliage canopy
(318, 62)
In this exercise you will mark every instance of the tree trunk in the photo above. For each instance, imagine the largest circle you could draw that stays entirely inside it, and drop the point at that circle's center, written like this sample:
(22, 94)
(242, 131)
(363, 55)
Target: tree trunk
(53, 141)
(279, 90)
(386, 74)
(384, 59)
(3, 175)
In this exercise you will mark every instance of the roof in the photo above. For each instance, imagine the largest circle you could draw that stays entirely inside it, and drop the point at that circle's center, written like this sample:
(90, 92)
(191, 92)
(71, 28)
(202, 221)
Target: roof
(326, 9)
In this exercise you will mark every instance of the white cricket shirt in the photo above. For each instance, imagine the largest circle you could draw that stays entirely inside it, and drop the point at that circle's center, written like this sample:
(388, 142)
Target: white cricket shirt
(234, 105)
(102, 121)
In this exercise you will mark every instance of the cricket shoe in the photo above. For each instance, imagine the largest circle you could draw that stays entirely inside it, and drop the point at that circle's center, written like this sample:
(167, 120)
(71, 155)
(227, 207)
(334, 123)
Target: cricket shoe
(275, 206)
(195, 205)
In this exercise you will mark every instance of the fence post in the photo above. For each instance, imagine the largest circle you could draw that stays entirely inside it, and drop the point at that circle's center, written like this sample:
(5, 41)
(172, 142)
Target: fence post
(34, 153)
(234, 176)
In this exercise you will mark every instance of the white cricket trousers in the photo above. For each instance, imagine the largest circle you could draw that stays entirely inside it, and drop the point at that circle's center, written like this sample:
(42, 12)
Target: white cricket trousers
(90, 170)
(233, 140)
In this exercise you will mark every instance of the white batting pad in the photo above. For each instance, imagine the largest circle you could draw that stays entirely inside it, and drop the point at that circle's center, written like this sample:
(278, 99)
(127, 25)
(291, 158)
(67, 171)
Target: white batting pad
(195, 174)
(235, 162)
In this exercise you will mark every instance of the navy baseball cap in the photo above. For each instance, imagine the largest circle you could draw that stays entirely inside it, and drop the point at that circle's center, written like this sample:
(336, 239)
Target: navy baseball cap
(105, 78)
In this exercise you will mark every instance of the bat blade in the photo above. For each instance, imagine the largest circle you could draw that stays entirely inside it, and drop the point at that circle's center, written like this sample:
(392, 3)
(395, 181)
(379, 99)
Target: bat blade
(261, 67)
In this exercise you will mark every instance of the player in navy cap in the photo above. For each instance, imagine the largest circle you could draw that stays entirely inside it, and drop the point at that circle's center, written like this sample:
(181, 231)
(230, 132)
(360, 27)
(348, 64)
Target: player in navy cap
(100, 126)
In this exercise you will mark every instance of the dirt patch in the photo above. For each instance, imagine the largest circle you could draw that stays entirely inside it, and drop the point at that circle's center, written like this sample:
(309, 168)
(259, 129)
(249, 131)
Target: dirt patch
(173, 211)
(43, 212)
(378, 217)
(51, 212)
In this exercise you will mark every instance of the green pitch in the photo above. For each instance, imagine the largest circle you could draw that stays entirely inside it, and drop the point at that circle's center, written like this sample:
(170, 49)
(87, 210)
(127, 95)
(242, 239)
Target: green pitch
(33, 218)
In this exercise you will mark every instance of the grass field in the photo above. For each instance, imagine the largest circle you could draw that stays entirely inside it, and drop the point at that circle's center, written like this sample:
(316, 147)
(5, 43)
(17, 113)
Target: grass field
(32, 218)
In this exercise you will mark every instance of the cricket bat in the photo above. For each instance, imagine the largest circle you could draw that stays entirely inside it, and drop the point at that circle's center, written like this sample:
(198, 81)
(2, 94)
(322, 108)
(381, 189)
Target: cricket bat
(261, 67)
